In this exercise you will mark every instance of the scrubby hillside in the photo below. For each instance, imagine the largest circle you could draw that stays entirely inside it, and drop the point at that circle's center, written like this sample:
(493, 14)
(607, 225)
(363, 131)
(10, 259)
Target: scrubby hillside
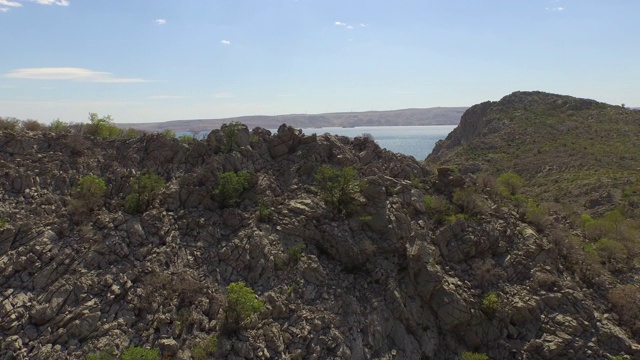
(110, 246)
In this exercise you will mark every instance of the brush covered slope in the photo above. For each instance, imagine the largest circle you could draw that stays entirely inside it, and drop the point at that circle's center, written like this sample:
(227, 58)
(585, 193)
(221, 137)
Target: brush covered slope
(112, 246)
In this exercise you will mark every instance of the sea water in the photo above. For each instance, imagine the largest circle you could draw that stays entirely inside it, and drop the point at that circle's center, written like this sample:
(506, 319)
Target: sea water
(416, 141)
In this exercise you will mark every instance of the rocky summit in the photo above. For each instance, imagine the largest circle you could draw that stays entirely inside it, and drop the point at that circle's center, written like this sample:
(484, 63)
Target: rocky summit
(253, 245)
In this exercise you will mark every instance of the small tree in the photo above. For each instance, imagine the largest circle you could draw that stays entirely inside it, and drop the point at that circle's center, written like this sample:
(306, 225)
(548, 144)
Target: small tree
(509, 183)
(58, 126)
(103, 127)
(231, 133)
(91, 190)
(242, 303)
(230, 187)
(144, 189)
(338, 187)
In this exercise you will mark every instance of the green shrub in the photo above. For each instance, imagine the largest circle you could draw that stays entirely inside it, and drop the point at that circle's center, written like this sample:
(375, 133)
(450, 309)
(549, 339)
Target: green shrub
(205, 348)
(230, 187)
(90, 191)
(10, 124)
(31, 125)
(469, 201)
(103, 127)
(144, 189)
(490, 303)
(537, 215)
(509, 184)
(585, 220)
(468, 355)
(58, 126)
(168, 133)
(3, 222)
(186, 139)
(138, 353)
(294, 253)
(231, 132)
(338, 187)
(242, 303)
(264, 213)
(103, 355)
(612, 252)
(437, 207)
(131, 133)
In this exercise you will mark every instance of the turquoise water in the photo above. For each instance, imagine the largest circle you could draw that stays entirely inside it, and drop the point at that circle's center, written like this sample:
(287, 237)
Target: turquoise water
(416, 141)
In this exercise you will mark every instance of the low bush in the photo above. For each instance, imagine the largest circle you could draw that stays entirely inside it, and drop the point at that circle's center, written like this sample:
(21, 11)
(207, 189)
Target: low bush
(9, 123)
(103, 127)
(537, 215)
(230, 186)
(490, 303)
(437, 207)
(242, 303)
(509, 184)
(469, 201)
(58, 126)
(625, 301)
(338, 187)
(144, 188)
(138, 353)
(205, 348)
(101, 356)
(90, 191)
(468, 355)
(294, 253)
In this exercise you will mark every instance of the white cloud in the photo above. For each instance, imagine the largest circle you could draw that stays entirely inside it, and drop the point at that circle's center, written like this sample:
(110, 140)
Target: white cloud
(225, 42)
(223, 95)
(363, 25)
(559, 8)
(349, 27)
(9, 3)
(160, 21)
(4, 9)
(68, 73)
(52, 2)
(339, 23)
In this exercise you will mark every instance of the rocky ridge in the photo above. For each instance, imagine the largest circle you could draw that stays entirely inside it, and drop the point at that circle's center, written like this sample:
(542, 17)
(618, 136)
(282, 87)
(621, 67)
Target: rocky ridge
(385, 280)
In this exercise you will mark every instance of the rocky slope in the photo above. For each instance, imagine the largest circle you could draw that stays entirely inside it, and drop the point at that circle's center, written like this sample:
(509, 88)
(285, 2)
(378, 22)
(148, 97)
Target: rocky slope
(387, 279)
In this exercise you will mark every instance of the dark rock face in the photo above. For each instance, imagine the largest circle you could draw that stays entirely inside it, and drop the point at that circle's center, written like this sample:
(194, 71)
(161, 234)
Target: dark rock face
(382, 281)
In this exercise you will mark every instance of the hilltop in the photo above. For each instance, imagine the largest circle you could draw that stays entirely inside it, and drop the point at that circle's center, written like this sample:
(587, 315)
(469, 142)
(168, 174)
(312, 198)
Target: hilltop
(257, 245)
(405, 117)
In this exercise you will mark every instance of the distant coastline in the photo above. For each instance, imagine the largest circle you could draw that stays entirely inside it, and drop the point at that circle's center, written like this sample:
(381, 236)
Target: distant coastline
(405, 117)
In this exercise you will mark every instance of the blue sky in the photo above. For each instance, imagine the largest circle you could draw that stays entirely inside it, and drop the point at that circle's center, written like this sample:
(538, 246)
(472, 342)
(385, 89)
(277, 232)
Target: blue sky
(160, 60)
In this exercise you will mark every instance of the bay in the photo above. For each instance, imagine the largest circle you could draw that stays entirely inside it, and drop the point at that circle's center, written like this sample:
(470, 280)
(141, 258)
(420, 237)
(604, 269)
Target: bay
(416, 141)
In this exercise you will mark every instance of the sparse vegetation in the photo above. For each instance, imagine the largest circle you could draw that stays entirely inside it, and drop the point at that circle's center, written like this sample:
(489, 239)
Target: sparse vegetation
(103, 127)
(168, 133)
(264, 213)
(231, 133)
(103, 355)
(294, 253)
(204, 349)
(490, 303)
(3, 222)
(467, 355)
(90, 191)
(242, 303)
(144, 189)
(58, 126)
(509, 184)
(138, 353)
(230, 186)
(338, 187)
(438, 208)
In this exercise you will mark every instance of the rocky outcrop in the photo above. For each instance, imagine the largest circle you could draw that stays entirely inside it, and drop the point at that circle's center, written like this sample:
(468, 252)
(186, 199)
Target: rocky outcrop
(381, 281)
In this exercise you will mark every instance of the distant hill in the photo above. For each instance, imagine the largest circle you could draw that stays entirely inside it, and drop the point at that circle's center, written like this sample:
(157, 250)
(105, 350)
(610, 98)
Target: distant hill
(405, 117)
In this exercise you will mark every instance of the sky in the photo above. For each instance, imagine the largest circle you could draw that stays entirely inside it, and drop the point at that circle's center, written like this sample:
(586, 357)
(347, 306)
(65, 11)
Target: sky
(161, 60)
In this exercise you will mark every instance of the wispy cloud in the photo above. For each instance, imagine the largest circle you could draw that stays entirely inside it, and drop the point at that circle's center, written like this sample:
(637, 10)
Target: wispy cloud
(160, 21)
(9, 3)
(225, 42)
(69, 73)
(6, 5)
(558, 8)
(363, 25)
(339, 23)
(52, 2)
(223, 95)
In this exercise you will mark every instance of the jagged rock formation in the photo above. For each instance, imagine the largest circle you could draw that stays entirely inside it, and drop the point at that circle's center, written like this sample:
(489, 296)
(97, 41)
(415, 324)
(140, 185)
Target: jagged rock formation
(384, 280)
